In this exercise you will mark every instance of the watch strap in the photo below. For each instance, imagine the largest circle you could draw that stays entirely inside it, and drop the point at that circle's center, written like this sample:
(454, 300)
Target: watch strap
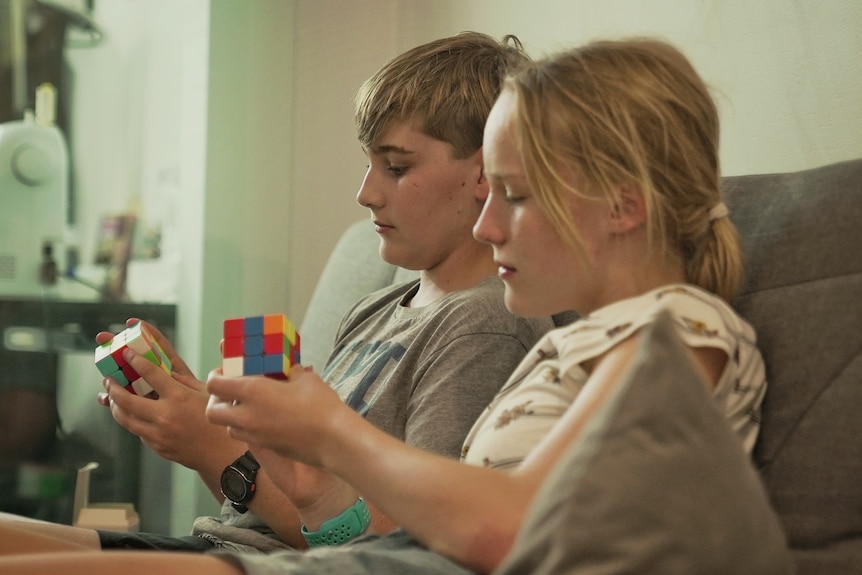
(247, 463)
(352, 523)
(239, 507)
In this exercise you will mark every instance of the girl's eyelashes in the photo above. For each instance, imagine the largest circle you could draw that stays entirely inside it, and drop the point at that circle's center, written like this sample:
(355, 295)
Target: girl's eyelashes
(508, 193)
(513, 196)
(518, 193)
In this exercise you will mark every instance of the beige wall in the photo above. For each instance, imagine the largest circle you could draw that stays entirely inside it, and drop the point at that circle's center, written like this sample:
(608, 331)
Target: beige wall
(785, 74)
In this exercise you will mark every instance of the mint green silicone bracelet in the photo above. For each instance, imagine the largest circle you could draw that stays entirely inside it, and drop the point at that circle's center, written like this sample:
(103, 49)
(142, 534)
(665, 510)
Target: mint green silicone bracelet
(352, 523)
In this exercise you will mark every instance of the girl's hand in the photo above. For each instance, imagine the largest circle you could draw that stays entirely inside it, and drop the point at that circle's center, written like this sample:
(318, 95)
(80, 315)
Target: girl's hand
(297, 419)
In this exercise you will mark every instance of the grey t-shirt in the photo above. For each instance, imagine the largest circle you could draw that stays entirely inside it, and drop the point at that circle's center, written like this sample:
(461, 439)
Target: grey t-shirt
(425, 374)
(421, 374)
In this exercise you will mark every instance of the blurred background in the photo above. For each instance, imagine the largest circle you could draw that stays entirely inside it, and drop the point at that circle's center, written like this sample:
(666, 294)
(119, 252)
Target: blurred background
(223, 130)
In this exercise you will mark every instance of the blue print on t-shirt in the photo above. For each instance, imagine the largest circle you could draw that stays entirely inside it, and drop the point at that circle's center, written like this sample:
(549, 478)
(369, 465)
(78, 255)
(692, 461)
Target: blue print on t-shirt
(369, 361)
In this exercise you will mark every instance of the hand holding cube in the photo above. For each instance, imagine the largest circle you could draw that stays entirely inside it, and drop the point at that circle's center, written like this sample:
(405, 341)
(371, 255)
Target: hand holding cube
(110, 362)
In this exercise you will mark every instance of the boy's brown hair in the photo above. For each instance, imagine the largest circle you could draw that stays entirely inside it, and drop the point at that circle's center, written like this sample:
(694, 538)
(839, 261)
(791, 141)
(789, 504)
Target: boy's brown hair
(445, 88)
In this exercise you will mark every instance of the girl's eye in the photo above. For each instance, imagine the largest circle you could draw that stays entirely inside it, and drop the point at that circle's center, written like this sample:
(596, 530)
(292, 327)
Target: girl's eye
(508, 194)
(515, 196)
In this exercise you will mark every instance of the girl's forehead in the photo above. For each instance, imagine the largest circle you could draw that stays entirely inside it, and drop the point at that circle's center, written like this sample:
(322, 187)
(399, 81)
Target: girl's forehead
(500, 149)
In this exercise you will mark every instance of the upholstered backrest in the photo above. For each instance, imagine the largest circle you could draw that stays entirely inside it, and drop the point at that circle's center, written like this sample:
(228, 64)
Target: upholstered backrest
(802, 234)
(354, 269)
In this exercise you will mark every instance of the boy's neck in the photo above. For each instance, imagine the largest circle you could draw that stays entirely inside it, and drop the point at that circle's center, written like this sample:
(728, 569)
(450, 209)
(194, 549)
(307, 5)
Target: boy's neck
(461, 271)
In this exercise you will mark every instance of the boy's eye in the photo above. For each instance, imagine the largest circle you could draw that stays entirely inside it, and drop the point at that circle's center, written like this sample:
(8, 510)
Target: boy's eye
(397, 170)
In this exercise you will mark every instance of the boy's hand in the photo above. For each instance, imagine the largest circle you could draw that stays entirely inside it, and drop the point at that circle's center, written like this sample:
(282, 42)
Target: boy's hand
(175, 426)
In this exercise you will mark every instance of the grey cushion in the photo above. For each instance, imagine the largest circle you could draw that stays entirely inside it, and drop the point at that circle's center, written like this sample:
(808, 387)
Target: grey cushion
(802, 234)
(354, 269)
(656, 483)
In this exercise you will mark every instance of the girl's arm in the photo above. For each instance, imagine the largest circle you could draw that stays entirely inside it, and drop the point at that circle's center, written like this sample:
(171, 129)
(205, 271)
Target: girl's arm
(467, 513)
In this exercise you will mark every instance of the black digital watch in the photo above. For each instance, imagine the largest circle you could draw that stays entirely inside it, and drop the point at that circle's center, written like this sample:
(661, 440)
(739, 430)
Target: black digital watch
(238, 481)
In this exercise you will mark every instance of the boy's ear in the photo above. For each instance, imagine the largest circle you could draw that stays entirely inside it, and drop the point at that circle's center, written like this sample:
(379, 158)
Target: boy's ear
(482, 185)
(629, 212)
(479, 159)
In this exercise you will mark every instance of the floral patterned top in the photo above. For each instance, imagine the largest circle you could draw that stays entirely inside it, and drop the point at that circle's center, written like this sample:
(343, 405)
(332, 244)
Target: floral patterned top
(550, 377)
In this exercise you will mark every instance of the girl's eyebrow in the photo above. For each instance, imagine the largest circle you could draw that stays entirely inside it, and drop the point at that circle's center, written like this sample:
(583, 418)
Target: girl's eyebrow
(505, 176)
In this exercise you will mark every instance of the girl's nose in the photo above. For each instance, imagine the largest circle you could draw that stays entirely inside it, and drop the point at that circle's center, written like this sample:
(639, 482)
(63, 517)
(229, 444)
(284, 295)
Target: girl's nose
(487, 228)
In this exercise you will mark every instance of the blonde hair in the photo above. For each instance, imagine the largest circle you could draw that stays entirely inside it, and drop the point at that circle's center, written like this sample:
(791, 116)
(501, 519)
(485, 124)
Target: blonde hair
(446, 87)
(636, 113)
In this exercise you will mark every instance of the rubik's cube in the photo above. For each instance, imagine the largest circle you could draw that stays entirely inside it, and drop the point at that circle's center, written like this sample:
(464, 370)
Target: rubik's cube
(109, 358)
(259, 345)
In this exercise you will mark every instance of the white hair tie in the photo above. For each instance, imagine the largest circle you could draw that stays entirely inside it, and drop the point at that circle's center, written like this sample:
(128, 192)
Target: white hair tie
(718, 211)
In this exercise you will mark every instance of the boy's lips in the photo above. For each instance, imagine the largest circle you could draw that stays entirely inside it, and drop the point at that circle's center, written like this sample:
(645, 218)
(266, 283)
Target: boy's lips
(381, 227)
(504, 269)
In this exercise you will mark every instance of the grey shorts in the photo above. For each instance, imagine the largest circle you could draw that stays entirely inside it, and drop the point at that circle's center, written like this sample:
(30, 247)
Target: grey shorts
(152, 542)
(393, 554)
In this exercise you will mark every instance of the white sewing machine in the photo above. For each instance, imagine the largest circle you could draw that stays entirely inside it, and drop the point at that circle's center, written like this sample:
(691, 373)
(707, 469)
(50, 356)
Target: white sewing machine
(34, 174)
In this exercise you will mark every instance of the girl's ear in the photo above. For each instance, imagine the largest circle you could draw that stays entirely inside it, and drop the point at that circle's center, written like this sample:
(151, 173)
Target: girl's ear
(629, 212)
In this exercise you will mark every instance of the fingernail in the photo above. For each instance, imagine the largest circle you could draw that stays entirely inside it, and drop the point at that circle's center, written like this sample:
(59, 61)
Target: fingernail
(128, 354)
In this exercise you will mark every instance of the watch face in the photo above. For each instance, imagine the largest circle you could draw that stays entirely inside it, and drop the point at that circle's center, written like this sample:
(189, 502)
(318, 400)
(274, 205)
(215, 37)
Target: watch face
(233, 486)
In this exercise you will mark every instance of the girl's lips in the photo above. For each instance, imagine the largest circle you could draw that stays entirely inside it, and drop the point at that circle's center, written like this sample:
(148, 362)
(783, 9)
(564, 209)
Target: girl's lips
(382, 228)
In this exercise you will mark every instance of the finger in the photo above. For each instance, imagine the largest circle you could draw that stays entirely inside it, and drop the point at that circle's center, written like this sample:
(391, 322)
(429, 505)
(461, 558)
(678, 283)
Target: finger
(221, 412)
(104, 337)
(102, 398)
(132, 405)
(296, 371)
(215, 402)
(154, 375)
(221, 386)
(122, 405)
(190, 381)
(239, 390)
(178, 364)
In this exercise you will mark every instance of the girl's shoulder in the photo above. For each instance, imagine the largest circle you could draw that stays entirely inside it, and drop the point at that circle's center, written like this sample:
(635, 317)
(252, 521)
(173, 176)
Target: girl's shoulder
(702, 319)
